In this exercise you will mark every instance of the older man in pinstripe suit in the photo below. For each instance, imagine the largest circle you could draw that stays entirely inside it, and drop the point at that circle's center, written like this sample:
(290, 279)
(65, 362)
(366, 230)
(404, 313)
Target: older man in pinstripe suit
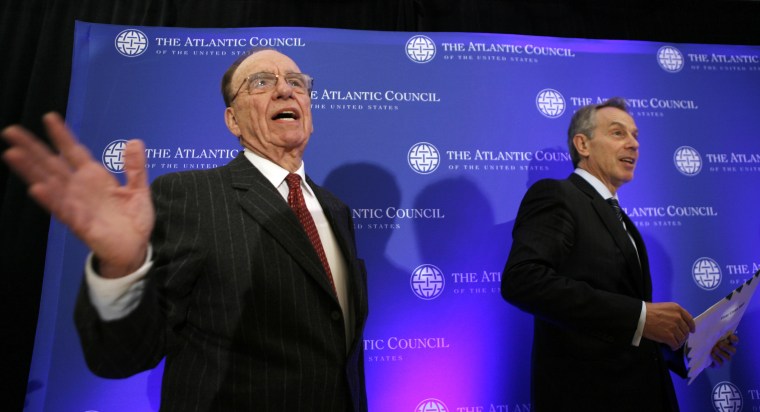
(212, 270)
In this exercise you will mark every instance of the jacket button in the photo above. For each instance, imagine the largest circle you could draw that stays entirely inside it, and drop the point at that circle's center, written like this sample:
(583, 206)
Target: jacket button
(335, 315)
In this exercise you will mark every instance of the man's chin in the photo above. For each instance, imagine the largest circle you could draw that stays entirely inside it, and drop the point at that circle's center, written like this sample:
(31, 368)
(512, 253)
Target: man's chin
(292, 140)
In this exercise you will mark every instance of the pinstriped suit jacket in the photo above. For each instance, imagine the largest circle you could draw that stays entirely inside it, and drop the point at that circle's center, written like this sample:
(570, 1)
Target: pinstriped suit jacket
(237, 302)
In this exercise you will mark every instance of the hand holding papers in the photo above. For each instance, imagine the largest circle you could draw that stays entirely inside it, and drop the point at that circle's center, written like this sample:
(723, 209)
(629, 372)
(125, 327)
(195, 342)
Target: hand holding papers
(716, 323)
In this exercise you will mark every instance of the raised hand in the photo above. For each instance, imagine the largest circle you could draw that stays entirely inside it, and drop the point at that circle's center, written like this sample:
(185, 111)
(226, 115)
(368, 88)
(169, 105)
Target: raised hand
(115, 221)
(668, 323)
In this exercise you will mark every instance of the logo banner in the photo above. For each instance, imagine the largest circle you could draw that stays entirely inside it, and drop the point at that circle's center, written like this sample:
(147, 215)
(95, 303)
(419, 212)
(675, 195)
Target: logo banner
(432, 139)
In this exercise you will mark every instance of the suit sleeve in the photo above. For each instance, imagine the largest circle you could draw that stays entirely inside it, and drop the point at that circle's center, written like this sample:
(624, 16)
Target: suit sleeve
(560, 274)
(137, 342)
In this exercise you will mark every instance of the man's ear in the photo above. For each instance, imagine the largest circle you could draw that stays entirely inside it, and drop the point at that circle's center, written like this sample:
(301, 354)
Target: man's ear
(231, 121)
(580, 141)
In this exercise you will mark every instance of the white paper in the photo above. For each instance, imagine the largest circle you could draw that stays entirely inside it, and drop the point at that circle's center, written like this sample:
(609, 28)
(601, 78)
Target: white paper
(716, 323)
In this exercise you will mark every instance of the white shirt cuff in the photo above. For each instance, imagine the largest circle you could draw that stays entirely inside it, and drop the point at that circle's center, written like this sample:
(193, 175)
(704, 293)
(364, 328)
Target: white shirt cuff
(640, 327)
(116, 298)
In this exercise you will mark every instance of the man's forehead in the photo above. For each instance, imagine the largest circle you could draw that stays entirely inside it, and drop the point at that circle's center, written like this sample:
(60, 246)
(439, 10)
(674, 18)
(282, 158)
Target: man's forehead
(266, 60)
(609, 115)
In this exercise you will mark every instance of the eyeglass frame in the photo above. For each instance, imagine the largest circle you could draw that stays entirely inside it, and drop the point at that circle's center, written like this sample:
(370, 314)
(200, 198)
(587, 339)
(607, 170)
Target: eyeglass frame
(308, 80)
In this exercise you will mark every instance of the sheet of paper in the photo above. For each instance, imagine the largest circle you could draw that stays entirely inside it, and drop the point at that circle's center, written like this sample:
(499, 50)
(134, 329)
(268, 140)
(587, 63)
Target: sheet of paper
(714, 324)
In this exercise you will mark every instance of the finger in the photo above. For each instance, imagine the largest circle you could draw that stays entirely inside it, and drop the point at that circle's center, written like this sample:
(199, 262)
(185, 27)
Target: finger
(722, 355)
(686, 316)
(727, 349)
(75, 154)
(680, 337)
(26, 141)
(723, 352)
(683, 328)
(134, 164)
(19, 161)
(717, 361)
(45, 198)
(17, 135)
(29, 157)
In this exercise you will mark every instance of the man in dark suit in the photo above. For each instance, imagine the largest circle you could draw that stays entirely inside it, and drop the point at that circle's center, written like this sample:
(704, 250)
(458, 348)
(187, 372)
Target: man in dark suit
(212, 270)
(599, 343)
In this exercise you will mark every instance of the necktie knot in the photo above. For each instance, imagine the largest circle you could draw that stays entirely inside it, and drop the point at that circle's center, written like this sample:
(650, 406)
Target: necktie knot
(293, 180)
(616, 207)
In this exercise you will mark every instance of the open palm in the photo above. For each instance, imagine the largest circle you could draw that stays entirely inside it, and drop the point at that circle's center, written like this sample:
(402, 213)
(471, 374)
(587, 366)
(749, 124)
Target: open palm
(115, 221)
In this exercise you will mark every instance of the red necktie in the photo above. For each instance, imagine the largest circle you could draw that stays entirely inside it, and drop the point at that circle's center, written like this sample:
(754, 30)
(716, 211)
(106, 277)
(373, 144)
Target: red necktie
(297, 203)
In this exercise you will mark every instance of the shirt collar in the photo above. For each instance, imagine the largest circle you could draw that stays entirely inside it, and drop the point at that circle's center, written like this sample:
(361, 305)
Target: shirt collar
(595, 182)
(274, 172)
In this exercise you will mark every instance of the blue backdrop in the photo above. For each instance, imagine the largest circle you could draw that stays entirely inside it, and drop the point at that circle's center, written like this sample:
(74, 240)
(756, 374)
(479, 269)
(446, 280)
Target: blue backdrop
(432, 139)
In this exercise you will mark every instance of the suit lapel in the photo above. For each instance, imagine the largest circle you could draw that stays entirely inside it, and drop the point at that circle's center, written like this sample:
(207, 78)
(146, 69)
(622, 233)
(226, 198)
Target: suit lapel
(331, 211)
(610, 221)
(264, 204)
(343, 233)
(642, 255)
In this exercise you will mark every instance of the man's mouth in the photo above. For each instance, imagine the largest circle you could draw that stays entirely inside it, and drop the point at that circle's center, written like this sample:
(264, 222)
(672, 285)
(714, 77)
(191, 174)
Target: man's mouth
(287, 115)
(628, 160)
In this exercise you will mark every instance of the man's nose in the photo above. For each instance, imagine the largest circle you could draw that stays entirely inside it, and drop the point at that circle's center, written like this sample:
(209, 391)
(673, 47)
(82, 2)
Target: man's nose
(283, 90)
(633, 142)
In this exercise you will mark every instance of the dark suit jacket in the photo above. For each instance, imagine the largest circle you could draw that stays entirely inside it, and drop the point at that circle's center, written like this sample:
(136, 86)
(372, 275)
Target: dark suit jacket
(237, 302)
(573, 266)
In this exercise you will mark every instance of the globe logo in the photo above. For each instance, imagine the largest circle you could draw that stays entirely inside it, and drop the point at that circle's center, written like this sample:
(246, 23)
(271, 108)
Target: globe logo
(424, 158)
(726, 397)
(431, 405)
(420, 49)
(131, 43)
(550, 103)
(670, 59)
(427, 282)
(113, 156)
(687, 161)
(706, 273)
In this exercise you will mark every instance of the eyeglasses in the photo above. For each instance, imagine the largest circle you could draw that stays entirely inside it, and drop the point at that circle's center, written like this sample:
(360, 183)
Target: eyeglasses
(263, 82)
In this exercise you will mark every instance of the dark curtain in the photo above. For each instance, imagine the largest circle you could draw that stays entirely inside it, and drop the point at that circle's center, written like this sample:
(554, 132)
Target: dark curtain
(36, 46)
